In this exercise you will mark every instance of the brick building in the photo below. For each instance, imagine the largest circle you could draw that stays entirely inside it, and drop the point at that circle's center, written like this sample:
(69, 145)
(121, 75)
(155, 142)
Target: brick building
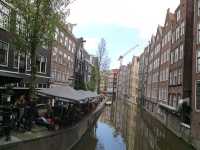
(63, 56)
(15, 65)
(134, 79)
(195, 124)
(168, 84)
(164, 64)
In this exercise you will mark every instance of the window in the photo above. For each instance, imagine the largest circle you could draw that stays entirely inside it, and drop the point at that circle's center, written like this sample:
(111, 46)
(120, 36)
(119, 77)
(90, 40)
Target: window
(172, 57)
(167, 74)
(179, 76)
(28, 62)
(197, 100)
(60, 59)
(176, 55)
(169, 36)
(16, 59)
(177, 33)
(198, 60)
(22, 62)
(66, 41)
(69, 48)
(56, 33)
(198, 34)
(182, 28)
(174, 101)
(178, 15)
(170, 78)
(53, 74)
(20, 22)
(198, 7)
(4, 47)
(41, 63)
(181, 52)
(168, 54)
(175, 77)
(173, 37)
(4, 17)
(164, 57)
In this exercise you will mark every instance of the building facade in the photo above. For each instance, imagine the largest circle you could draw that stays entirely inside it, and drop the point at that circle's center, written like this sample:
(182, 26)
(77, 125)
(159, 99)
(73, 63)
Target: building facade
(15, 65)
(112, 83)
(63, 56)
(141, 80)
(123, 82)
(79, 64)
(167, 71)
(134, 80)
(195, 122)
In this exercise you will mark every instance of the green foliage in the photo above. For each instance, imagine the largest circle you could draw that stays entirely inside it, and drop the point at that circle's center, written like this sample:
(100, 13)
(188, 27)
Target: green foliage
(80, 85)
(93, 81)
(33, 25)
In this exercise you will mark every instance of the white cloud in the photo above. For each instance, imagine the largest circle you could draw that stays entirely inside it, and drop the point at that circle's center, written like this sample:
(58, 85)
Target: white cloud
(142, 15)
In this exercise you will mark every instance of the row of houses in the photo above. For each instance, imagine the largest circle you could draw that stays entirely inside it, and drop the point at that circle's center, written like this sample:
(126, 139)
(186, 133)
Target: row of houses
(66, 62)
(128, 81)
(169, 72)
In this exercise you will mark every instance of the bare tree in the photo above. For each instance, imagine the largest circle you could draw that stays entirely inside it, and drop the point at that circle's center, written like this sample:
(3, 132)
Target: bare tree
(103, 60)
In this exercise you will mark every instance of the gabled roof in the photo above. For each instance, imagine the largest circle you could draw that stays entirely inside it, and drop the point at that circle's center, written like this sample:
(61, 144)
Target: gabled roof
(159, 31)
(170, 17)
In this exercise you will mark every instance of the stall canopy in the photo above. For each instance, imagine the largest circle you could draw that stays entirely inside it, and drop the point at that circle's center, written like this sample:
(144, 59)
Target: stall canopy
(7, 78)
(67, 93)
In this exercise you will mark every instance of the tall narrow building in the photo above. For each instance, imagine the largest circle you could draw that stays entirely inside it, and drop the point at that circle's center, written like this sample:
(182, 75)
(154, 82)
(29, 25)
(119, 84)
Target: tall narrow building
(195, 125)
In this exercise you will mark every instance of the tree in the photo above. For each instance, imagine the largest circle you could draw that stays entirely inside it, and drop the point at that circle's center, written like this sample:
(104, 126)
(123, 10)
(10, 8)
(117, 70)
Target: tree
(92, 83)
(103, 61)
(36, 21)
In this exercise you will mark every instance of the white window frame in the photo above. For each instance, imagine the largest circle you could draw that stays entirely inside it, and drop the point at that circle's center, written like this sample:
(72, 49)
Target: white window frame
(197, 110)
(27, 62)
(17, 61)
(178, 15)
(198, 7)
(3, 6)
(198, 33)
(7, 54)
(198, 50)
(41, 65)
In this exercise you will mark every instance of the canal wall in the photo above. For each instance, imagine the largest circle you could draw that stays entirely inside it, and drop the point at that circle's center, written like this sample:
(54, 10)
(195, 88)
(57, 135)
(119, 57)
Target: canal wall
(56, 140)
(159, 136)
(172, 123)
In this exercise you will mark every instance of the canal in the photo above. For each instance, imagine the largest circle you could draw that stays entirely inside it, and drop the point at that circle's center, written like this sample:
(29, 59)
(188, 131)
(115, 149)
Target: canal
(123, 126)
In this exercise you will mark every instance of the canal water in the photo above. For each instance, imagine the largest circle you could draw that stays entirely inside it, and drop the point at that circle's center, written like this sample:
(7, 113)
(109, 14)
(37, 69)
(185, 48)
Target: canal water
(123, 126)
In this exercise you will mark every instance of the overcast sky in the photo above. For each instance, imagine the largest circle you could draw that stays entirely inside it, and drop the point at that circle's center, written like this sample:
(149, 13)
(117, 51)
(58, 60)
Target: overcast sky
(123, 23)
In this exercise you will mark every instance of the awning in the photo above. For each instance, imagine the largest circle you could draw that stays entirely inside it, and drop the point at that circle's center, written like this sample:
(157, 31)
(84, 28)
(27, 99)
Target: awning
(8, 77)
(68, 94)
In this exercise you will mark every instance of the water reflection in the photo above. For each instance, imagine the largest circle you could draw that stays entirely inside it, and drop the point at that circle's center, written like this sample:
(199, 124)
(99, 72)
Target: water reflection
(123, 126)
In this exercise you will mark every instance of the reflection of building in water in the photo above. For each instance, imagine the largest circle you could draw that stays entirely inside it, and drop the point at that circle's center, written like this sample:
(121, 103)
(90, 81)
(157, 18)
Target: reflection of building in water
(140, 130)
(128, 80)
(122, 117)
(152, 135)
